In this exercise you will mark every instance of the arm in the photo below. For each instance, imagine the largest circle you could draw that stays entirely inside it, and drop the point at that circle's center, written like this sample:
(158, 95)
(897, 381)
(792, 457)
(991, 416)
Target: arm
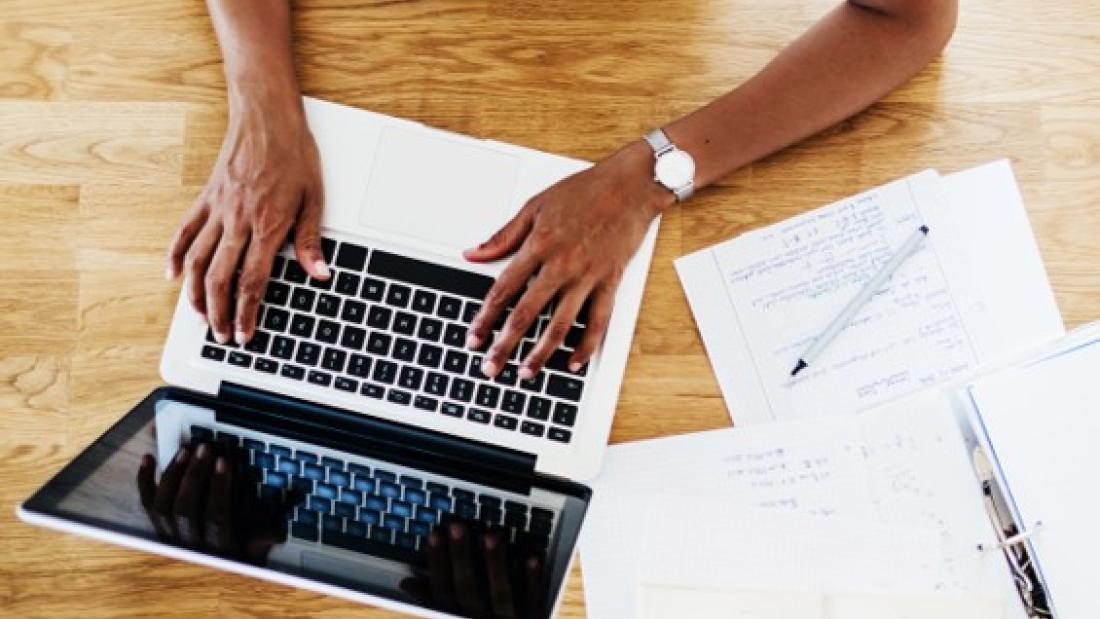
(267, 177)
(579, 234)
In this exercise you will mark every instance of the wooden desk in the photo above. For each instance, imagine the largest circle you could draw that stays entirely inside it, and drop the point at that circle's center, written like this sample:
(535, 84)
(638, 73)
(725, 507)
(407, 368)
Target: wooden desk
(111, 113)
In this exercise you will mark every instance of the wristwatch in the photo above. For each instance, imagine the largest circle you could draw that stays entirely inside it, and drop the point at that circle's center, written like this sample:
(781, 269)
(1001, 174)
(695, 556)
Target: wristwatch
(674, 168)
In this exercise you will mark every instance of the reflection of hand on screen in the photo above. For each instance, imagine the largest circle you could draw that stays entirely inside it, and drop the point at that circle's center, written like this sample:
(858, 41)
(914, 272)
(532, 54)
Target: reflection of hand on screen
(479, 573)
(203, 502)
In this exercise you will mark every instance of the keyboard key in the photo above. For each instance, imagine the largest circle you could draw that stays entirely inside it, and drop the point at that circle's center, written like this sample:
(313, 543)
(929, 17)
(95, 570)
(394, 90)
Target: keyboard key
(512, 506)
(328, 305)
(275, 479)
(320, 504)
(333, 463)
(282, 347)
(358, 469)
(508, 375)
(400, 508)
(406, 541)
(372, 391)
(375, 502)
(449, 307)
(353, 338)
(354, 311)
(258, 343)
(491, 515)
(398, 295)
(305, 456)
(428, 275)
(351, 256)
(385, 475)
(265, 461)
(381, 535)
(513, 402)
(347, 284)
(302, 325)
(466, 495)
(465, 509)
(416, 496)
(372, 289)
(506, 422)
(436, 383)
(314, 472)
(455, 335)
(462, 390)
(399, 397)
(420, 528)
(389, 489)
(356, 529)
(573, 338)
(292, 371)
(252, 444)
(515, 520)
(334, 359)
(455, 362)
(346, 384)
(475, 368)
(404, 323)
(294, 272)
(327, 491)
(304, 532)
(364, 484)
(385, 372)
(308, 516)
(424, 301)
(404, 349)
(423, 402)
(240, 359)
(379, 317)
(277, 293)
(379, 344)
(277, 267)
(370, 516)
(557, 434)
(276, 319)
(487, 396)
(321, 284)
(359, 366)
(308, 353)
(282, 452)
(564, 387)
(411, 377)
(302, 299)
(470, 311)
(430, 329)
(441, 502)
(478, 415)
(565, 414)
(210, 352)
(559, 360)
(288, 466)
(535, 384)
(452, 410)
(532, 428)
(328, 248)
(334, 523)
(396, 523)
(351, 497)
(323, 379)
(328, 331)
(430, 356)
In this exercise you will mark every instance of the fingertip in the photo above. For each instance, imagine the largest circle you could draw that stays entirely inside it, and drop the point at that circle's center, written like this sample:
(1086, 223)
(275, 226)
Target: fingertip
(221, 465)
(473, 342)
(240, 337)
(526, 373)
(575, 366)
(321, 269)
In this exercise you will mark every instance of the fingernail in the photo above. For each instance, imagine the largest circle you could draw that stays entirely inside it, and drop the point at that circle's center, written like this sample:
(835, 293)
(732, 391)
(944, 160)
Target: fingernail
(472, 341)
(203, 451)
(239, 336)
(221, 336)
(181, 457)
(169, 274)
(221, 466)
(575, 366)
(526, 373)
(322, 268)
(489, 368)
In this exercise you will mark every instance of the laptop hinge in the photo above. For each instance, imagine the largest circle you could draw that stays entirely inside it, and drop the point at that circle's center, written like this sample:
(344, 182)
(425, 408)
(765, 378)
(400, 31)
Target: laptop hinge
(374, 437)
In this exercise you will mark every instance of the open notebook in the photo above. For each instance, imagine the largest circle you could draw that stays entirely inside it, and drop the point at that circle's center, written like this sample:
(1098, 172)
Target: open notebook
(975, 292)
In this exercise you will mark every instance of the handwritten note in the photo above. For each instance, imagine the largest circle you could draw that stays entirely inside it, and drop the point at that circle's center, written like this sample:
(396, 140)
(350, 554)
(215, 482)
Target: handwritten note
(787, 282)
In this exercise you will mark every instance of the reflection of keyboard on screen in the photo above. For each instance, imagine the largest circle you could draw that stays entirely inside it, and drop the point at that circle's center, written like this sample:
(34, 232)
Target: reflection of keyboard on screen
(391, 327)
(370, 507)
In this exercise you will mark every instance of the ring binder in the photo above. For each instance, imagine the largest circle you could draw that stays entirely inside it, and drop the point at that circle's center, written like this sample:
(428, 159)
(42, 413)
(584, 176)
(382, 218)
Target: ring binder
(1011, 539)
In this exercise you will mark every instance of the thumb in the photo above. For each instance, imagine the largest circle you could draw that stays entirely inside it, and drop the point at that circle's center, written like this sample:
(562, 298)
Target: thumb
(506, 240)
(307, 237)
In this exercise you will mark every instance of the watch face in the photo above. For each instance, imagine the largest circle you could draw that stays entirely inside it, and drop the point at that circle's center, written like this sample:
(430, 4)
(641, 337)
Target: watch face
(675, 169)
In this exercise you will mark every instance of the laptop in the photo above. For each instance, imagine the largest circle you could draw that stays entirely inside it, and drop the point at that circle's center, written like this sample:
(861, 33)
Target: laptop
(353, 447)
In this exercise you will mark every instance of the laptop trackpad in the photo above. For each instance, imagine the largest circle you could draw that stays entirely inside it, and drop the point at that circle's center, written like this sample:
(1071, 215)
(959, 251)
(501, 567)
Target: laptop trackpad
(430, 187)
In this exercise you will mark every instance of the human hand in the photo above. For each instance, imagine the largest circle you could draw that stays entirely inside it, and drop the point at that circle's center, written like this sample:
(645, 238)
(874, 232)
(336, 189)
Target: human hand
(575, 239)
(266, 180)
(479, 573)
(199, 504)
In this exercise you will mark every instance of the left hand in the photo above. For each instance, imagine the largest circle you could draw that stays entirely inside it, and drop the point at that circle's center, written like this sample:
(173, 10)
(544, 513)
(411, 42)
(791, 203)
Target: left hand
(575, 239)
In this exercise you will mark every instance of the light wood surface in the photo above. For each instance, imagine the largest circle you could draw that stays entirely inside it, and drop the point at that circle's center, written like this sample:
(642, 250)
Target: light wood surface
(111, 114)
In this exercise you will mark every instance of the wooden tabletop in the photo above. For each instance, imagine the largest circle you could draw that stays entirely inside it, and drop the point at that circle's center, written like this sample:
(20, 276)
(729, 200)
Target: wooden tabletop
(111, 113)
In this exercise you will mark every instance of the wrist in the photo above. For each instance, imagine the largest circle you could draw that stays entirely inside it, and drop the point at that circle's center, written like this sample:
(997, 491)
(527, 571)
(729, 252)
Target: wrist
(635, 162)
(271, 100)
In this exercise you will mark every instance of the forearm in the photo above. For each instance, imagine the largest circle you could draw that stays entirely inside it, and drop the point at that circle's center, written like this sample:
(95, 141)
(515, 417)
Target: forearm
(849, 59)
(255, 40)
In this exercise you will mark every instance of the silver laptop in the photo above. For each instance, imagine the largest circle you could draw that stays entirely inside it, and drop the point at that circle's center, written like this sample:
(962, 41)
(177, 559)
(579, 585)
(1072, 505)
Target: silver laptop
(360, 451)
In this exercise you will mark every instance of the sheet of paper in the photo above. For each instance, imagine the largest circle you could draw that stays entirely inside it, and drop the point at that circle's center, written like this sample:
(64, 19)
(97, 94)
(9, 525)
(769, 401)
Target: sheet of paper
(761, 299)
(1041, 421)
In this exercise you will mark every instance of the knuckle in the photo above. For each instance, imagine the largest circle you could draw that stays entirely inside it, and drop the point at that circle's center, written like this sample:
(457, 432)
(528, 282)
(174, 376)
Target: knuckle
(556, 331)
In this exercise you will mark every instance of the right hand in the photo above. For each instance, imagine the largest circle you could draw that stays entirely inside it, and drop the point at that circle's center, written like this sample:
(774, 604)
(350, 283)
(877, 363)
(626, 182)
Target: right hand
(267, 179)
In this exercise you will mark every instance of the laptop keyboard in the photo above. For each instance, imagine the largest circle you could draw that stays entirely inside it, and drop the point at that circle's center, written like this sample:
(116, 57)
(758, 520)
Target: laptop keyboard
(389, 327)
(349, 504)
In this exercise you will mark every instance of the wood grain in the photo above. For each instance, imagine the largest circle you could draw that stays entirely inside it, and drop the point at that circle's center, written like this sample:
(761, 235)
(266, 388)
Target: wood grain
(111, 114)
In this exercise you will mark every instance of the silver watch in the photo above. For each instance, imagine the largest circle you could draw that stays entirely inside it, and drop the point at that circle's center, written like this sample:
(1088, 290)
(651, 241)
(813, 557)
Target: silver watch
(674, 168)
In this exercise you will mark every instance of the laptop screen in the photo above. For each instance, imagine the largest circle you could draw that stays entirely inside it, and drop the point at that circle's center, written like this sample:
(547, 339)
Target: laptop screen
(170, 474)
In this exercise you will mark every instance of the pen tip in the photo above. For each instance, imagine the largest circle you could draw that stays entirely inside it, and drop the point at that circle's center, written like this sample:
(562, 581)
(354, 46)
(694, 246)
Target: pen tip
(799, 367)
(924, 229)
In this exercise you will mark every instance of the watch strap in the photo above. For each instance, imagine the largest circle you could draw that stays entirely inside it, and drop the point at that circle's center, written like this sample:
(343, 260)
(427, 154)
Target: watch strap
(658, 141)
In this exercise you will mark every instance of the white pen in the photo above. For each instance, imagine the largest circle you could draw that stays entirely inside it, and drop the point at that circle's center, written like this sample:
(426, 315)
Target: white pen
(869, 289)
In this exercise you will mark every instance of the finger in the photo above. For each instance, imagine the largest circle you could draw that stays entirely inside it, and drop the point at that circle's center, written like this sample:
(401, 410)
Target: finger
(536, 587)
(506, 239)
(559, 325)
(527, 310)
(602, 302)
(220, 278)
(462, 565)
(185, 234)
(496, 567)
(218, 530)
(197, 261)
(188, 506)
(307, 236)
(167, 490)
(439, 569)
(147, 490)
(416, 588)
(251, 285)
(508, 285)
